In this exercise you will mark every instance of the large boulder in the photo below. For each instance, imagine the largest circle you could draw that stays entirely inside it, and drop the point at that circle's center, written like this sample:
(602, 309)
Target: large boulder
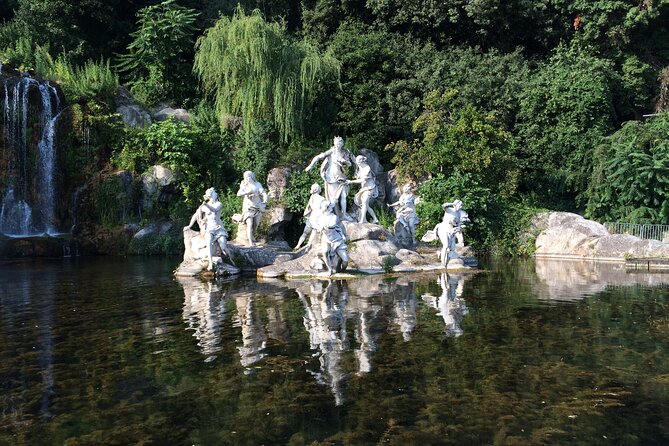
(563, 234)
(159, 185)
(279, 216)
(165, 113)
(134, 115)
(568, 234)
(131, 111)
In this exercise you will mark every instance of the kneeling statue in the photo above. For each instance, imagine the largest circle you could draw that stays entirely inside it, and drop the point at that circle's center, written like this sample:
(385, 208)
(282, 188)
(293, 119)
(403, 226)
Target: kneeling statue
(208, 218)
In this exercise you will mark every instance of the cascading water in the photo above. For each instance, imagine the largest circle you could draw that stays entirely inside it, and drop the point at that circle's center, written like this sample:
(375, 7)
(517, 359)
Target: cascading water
(27, 169)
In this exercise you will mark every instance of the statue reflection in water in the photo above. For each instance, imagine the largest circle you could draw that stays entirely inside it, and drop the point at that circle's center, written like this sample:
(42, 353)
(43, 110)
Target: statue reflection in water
(324, 319)
(204, 312)
(328, 307)
(404, 308)
(450, 305)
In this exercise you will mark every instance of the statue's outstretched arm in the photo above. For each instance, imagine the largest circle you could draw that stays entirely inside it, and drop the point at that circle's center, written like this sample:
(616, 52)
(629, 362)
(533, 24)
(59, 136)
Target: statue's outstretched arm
(316, 159)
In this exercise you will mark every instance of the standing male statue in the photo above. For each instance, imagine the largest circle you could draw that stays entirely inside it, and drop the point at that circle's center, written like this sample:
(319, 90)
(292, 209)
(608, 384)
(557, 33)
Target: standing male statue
(253, 205)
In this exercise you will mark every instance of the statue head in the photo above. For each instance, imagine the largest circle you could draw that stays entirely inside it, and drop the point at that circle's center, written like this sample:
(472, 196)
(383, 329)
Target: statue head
(406, 189)
(327, 206)
(338, 142)
(210, 194)
(360, 159)
(456, 205)
(315, 189)
(249, 176)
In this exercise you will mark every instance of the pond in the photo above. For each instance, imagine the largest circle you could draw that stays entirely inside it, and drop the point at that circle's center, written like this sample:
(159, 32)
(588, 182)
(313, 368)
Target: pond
(118, 351)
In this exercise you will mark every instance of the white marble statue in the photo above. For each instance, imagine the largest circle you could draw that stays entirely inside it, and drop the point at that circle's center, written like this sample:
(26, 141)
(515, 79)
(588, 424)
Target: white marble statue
(461, 218)
(311, 212)
(449, 231)
(365, 177)
(335, 160)
(208, 218)
(253, 206)
(333, 250)
(406, 218)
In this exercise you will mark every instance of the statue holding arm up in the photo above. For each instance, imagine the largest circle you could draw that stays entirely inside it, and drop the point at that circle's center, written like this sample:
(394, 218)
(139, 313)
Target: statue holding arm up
(335, 160)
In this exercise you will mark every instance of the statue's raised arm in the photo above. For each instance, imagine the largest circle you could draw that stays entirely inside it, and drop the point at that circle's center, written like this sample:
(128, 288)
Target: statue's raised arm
(334, 162)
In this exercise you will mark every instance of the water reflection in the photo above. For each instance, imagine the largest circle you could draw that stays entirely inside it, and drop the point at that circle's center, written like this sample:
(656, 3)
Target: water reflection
(368, 361)
(325, 320)
(449, 305)
(572, 280)
(204, 312)
(404, 308)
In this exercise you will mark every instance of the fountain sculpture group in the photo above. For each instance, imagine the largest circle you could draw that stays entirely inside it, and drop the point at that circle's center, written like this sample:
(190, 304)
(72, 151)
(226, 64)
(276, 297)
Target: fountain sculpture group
(326, 251)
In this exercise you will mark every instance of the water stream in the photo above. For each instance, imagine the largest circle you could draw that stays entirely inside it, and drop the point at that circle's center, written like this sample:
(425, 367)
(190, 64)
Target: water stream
(28, 140)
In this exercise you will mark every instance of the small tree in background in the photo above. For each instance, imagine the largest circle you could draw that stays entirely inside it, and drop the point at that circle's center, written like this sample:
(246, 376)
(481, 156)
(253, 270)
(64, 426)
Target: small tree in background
(157, 61)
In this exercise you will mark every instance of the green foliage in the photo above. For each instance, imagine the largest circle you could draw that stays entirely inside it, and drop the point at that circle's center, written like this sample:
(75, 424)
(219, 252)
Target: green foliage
(194, 153)
(464, 140)
(385, 216)
(388, 262)
(631, 175)
(638, 82)
(26, 55)
(259, 152)
(566, 108)
(113, 201)
(254, 70)
(479, 202)
(156, 61)
(296, 196)
(384, 78)
(91, 80)
(86, 147)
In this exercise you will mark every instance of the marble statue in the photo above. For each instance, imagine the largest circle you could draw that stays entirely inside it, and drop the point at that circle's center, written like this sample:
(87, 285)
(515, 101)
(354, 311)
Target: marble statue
(208, 218)
(450, 230)
(335, 160)
(333, 250)
(365, 177)
(461, 218)
(406, 218)
(253, 206)
(311, 212)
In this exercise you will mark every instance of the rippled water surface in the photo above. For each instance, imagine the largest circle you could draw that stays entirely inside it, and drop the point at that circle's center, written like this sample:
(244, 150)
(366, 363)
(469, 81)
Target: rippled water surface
(117, 351)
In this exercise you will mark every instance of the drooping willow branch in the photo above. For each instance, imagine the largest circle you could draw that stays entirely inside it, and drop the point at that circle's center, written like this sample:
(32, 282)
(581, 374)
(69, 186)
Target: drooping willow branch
(254, 70)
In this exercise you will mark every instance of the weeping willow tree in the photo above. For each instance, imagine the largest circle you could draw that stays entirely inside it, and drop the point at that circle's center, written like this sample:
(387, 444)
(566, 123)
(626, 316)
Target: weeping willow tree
(254, 70)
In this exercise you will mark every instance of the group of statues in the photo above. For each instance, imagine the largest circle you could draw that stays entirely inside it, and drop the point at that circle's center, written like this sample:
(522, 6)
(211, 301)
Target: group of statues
(324, 214)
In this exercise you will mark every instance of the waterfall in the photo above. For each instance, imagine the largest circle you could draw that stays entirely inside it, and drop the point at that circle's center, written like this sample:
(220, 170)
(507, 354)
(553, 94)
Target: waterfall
(29, 158)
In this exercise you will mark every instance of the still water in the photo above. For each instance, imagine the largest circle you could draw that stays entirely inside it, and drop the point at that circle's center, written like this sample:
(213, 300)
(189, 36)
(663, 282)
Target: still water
(117, 351)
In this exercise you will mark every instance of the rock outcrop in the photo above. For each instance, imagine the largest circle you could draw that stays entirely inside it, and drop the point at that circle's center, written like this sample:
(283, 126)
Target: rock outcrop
(563, 234)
